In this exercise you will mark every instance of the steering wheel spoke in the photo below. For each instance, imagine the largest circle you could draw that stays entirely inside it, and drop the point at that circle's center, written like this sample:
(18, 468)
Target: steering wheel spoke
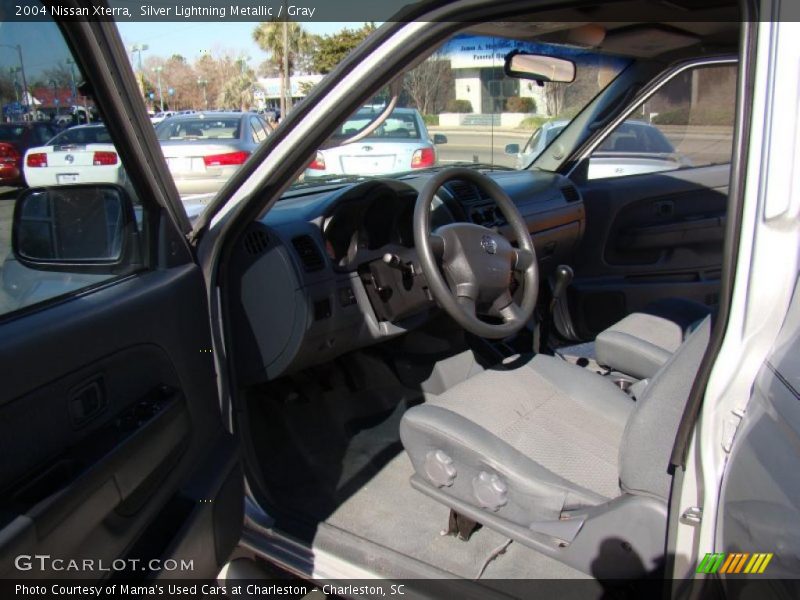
(512, 313)
(437, 245)
(523, 259)
(468, 305)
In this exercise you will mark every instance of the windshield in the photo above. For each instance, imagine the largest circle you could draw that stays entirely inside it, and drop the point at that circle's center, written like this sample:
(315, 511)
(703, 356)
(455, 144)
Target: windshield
(459, 108)
(11, 133)
(82, 135)
(456, 107)
(400, 125)
(636, 138)
(181, 129)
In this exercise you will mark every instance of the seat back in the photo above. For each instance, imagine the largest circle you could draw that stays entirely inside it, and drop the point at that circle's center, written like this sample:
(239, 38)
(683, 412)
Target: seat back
(650, 431)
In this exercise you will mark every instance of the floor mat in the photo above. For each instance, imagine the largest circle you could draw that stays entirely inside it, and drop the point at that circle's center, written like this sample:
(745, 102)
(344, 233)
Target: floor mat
(315, 454)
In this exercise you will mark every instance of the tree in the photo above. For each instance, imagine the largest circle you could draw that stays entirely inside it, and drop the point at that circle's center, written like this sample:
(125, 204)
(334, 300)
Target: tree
(270, 38)
(330, 50)
(555, 94)
(7, 92)
(179, 75)
(430, 85)
(238, 91)
(60, 74)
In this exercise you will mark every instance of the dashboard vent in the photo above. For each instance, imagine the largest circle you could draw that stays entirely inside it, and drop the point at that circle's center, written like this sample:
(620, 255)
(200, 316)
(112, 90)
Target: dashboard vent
(309, 253)
(570, 193)
(464, 191)
(256, 241)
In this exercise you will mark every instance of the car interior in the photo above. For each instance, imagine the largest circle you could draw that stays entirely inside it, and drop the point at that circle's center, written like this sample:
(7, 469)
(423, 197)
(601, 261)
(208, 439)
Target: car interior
(463, 370)
(481, 372)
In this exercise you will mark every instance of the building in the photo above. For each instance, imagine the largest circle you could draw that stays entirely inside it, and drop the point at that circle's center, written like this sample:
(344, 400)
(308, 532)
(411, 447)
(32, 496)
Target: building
(268, 92)
(477, 67)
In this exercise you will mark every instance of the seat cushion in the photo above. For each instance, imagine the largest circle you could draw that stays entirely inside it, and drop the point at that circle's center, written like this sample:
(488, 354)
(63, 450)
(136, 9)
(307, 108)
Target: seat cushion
(551, 431)
(641, 343)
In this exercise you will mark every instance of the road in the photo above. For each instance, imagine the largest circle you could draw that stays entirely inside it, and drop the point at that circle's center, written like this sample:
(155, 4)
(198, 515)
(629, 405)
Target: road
(479, 146)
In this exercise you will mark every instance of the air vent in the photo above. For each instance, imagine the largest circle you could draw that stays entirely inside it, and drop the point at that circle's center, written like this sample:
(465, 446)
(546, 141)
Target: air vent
(256, 241)
(464, 191)
(309, 253)
(570, 193)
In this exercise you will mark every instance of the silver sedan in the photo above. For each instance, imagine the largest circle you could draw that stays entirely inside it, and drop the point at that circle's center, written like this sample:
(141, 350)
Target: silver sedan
(203, 150)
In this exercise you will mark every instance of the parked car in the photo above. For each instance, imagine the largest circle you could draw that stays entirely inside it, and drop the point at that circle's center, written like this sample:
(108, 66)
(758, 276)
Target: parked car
(15, 139)
(81, 154)
(634, 148)
(160, 116)
(402, 143)
(204, 149)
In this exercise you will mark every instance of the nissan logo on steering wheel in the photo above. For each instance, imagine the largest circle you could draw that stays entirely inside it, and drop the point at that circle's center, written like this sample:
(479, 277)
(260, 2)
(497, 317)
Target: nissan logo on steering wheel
(488, 244)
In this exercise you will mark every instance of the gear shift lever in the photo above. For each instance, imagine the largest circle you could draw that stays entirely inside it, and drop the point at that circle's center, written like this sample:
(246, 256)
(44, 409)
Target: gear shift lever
(563, 277)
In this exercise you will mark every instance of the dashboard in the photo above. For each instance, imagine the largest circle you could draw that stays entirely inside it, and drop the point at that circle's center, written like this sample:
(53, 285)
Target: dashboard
(331, 269)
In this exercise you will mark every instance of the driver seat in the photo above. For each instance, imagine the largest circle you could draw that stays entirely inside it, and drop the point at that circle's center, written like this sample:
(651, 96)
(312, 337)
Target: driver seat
(558, 458)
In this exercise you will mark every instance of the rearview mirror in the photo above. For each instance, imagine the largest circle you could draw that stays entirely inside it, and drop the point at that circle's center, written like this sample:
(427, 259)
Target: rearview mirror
(512, 149)
(539, 67)
(75, 228)
(439, 138)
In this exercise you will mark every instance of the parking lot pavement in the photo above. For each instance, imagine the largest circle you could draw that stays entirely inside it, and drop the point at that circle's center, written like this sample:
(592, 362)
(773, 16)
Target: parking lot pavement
(478, 146)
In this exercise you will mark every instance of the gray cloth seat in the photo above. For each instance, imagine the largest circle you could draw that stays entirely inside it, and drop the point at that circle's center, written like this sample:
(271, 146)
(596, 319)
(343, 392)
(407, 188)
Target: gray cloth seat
(641, 343)
(526, 444)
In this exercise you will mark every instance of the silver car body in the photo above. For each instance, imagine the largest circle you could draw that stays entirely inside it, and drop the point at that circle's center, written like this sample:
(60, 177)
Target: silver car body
(389, 149)
(204, 149)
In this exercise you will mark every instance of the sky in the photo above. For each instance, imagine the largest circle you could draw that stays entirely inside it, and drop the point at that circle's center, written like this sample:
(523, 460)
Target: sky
(190, 39)
(43, 45)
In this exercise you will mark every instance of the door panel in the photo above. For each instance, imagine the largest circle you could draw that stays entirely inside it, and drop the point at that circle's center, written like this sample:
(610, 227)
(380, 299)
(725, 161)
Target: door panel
(109, 420)
(759, 508)
(648, 237)
(110, 430)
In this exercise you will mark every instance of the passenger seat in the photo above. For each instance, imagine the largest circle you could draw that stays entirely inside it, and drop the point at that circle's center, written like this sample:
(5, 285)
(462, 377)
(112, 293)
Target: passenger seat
(641, 343)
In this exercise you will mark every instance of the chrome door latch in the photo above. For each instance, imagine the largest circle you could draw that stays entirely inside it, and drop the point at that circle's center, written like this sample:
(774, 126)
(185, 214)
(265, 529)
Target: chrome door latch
(692, 516)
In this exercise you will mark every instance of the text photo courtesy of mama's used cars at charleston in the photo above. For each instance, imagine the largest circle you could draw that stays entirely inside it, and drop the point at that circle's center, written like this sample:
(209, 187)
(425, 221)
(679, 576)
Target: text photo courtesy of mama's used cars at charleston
(475, 299)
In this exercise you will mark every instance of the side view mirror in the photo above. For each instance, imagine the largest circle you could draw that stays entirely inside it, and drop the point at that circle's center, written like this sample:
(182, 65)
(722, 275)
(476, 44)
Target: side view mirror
(89, 228)
(512, 149)
(439, 138)
(539, 67)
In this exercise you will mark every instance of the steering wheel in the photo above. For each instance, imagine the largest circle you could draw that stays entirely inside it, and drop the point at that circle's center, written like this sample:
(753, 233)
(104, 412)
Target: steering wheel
(477, 262)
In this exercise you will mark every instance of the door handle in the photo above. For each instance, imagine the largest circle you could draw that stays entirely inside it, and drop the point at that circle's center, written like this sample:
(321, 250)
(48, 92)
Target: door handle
(665, 208)
(87, 401)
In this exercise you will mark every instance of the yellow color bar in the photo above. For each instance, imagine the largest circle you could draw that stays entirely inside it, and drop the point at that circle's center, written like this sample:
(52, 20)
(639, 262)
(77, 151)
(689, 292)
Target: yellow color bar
(755, 561)
(767, 558)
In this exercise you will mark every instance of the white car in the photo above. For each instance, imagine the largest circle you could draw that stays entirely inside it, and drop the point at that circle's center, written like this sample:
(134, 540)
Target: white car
(81, 154)
(635, 148)
(160, 116)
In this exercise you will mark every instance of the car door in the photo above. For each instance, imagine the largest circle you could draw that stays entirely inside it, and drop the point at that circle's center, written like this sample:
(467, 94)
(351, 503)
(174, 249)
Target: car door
(758, 520)
(115, 459)
(655, 191)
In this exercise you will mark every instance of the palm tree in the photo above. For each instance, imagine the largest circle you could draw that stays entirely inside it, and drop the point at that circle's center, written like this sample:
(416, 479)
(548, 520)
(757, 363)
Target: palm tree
(274, 37)
(238, 91)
